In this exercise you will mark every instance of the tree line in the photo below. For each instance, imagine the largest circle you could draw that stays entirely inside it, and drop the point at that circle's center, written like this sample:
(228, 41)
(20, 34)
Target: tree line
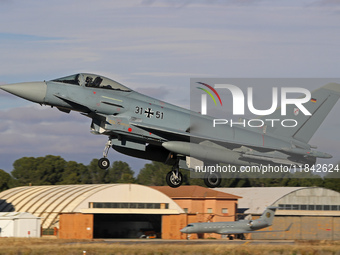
(54, 170)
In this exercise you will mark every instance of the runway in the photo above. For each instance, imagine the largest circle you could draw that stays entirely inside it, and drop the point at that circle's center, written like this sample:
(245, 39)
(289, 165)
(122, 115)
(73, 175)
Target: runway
(200, 242)
(167, 247)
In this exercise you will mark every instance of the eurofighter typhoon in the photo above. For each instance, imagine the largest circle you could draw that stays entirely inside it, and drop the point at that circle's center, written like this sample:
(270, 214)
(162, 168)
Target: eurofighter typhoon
(143, 127)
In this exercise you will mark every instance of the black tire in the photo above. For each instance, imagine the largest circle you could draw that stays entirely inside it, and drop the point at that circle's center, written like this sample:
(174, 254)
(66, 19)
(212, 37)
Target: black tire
(172, 181)
(212, 180)
(104, 163)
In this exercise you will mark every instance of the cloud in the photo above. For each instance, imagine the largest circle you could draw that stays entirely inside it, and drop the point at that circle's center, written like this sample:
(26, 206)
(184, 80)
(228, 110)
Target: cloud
(131, 37)
(327, 3)
(25, 128)
(38, 131)
(154, 46)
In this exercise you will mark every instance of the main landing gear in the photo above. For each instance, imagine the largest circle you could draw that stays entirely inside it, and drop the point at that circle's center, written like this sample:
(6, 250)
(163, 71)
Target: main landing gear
(104, 163)
(240, 236)
(212, 180)
(174, 178)
(236, 236)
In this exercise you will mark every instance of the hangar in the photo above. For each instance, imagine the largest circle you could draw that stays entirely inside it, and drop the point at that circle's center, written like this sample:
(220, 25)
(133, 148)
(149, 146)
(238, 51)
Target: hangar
(128, 210)
(101, 210)
(314, 211)
(118, 210)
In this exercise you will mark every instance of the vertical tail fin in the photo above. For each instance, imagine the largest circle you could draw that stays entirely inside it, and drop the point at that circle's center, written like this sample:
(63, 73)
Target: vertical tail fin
(268, 215)
(321, 103)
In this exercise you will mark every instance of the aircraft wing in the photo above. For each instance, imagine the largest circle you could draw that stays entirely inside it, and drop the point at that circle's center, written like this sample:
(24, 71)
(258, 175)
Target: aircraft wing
(227, 232)
(261, 154)
(186, 136)
(163, 132)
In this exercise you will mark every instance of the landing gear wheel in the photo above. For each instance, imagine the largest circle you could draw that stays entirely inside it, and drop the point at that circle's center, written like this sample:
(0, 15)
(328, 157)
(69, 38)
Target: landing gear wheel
(174, 179)
(104, 163)
(212, 180)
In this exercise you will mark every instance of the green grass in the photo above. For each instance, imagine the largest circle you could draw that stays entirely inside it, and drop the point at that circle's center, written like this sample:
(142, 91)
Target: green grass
(24, 246)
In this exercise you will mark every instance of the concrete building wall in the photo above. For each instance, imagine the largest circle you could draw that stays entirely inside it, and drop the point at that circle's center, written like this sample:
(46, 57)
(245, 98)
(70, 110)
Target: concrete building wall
(193, 206)
(314, 211)
(303, 228)
(201, 206)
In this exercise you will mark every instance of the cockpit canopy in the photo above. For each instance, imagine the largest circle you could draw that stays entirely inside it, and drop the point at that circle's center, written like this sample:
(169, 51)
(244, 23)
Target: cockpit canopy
(92, 80)
(189, 225)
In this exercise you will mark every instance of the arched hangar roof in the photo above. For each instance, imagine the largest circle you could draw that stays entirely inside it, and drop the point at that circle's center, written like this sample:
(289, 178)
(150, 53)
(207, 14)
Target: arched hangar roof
(49, 201)
(254, 200)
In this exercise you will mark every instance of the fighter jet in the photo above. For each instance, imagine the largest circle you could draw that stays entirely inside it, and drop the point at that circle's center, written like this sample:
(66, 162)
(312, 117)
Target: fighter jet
(147, 128)
(235, 228)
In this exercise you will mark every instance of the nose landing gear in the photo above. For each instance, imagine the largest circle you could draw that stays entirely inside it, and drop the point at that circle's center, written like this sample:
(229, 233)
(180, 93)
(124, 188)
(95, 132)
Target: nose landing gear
(104, 163)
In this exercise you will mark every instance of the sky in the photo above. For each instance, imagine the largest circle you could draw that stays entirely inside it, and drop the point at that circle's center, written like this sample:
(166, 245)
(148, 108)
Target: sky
(154, 47)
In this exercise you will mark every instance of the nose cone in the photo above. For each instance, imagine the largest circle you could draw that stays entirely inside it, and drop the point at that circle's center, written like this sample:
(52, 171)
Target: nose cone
(33, 91)
(184, 230)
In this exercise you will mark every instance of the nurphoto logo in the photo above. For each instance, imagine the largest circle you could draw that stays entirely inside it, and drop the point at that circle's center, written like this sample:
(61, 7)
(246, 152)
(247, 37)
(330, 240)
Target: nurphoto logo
(239, 99)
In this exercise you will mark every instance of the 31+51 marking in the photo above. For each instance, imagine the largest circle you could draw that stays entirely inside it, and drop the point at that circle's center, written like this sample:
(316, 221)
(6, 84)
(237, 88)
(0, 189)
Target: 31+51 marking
(149, 113)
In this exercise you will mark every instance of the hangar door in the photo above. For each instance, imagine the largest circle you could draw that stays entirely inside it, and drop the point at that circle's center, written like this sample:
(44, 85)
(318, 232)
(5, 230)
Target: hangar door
(126, 225)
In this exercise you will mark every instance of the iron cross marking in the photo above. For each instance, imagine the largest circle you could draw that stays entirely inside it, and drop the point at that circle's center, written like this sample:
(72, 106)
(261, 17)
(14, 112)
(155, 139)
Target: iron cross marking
(148, 112)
